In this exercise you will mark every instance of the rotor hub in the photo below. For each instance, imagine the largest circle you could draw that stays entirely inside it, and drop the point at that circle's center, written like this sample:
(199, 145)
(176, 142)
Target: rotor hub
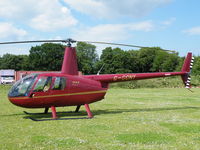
(69, 42)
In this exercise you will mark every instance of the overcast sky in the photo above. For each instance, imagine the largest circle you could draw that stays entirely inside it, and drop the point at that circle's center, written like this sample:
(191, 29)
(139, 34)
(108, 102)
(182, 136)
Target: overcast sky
(169, 24)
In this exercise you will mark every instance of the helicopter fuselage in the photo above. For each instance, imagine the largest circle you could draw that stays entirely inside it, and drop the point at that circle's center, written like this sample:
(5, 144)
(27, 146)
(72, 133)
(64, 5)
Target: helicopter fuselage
(45, 90)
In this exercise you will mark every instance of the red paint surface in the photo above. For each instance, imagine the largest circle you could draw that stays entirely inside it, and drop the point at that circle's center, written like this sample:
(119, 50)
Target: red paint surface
(69, 65)
(187, 68)
(187, 62)
(111, 78)
(87, 91)
(88, 111)
(53, 109)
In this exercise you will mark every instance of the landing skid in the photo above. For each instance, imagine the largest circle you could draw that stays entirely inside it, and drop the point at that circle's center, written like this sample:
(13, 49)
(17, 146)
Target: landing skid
(29, 113)
(34, 119)
(54, 114)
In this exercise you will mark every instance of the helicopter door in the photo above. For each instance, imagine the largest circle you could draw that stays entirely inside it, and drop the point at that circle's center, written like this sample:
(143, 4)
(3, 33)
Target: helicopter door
(59, 85)
(42, 87)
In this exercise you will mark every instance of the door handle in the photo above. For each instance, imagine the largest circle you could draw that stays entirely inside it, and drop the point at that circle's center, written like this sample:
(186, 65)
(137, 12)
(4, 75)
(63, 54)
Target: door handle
(32, 95)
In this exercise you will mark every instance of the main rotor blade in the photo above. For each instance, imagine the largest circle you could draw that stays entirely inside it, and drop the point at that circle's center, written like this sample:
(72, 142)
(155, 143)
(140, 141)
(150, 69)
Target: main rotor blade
(107, 43)
(73, 41)
(37, 41)
(128, 45)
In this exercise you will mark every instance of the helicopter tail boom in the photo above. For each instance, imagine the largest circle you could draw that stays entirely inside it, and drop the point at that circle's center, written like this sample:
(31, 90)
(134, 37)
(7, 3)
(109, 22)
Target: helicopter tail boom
(184, 73)
(111, 78)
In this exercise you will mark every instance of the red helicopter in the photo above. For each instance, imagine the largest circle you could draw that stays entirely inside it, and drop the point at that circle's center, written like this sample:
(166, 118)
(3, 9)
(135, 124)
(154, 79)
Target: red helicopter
(51, 90)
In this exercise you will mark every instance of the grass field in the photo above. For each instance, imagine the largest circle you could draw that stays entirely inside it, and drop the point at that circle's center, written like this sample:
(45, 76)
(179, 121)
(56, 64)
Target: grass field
(127, 119)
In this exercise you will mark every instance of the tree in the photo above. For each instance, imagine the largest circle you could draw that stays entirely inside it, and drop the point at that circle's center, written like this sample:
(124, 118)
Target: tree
(87, 58)
(146, 57)
(16, 62)
(115, 61)
(165, 61)
(47, 57)
(180, 63)
(158, 60)
(196, 67)
(134, 61)
(106, 59)
(170, 64)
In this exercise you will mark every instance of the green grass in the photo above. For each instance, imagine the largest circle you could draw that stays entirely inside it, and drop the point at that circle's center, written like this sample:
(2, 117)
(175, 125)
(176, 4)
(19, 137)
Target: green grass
(127, 119)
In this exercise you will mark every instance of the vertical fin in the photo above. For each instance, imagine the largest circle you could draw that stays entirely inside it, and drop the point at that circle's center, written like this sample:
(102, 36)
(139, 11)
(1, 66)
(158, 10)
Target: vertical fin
(187, 67)
(187, 63)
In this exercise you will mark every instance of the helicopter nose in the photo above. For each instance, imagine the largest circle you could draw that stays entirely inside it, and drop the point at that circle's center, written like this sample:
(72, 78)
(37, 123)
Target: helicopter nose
(22, 101)
(13, 100)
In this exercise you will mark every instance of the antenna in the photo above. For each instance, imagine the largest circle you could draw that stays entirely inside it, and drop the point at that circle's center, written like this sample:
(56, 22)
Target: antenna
(100, 69)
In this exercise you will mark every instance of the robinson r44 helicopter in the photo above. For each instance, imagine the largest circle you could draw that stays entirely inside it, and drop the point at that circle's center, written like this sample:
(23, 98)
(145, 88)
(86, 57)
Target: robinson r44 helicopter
(51, 90)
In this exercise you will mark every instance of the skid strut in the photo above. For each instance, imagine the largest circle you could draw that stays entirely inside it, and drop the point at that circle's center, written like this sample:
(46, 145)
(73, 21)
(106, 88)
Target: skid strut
(46, 110)
(53, 109)
(88, 111)
(77, 108)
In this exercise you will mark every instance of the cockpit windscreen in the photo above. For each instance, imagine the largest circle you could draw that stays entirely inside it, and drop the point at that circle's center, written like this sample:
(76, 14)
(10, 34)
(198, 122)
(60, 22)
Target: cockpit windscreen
(23, 86)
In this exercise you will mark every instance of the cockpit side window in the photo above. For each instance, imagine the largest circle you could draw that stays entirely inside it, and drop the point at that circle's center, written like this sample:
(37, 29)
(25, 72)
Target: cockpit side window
(59, 83)
(43, 84)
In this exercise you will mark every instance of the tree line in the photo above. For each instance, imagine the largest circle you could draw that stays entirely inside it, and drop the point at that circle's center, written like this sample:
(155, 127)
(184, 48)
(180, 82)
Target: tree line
(49, 56)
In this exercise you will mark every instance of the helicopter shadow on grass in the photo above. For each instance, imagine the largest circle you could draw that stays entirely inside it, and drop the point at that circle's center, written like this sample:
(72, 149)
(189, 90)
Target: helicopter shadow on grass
(83, 114)
(49, 114)
(116, 111)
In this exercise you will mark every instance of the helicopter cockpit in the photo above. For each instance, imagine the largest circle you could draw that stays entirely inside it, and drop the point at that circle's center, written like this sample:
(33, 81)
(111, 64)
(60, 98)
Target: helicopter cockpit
(22, 87)
(34, 83)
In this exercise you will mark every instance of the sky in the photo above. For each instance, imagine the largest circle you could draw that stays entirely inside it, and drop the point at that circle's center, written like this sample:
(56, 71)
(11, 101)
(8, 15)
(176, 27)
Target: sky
(169, 24)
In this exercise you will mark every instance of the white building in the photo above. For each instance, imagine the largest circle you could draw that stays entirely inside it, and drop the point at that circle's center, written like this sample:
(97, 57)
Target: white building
(7, 76)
